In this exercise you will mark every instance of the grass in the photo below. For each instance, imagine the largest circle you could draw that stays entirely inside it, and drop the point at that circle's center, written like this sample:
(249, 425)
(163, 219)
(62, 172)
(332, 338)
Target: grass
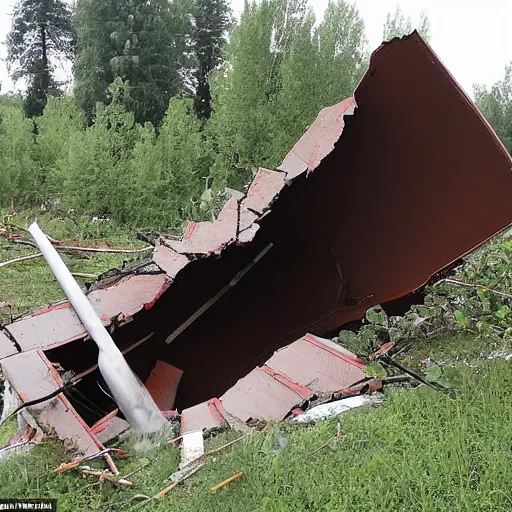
(419, 451)
(31, 284)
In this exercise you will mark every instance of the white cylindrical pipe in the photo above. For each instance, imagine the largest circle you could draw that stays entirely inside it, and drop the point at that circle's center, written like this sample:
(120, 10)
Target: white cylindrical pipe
(130, 394)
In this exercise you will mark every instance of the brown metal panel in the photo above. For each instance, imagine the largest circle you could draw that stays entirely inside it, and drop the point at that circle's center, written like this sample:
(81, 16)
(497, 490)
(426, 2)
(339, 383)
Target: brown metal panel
(29, 375)
(262, 191)
(128, 296)
(162, 384)
(7, 347)
(170, 261)
(200, 417)
(61, 420)
(47, 327)
(315, 368)
(259, 396)
(319, 139)
(417, 179)
(208, 237)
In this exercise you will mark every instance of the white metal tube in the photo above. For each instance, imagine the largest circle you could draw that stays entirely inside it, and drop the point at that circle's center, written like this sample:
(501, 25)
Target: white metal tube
(132, 397)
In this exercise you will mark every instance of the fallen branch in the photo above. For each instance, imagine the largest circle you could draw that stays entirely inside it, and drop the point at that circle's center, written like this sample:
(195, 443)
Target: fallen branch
(20, 259)
(85, 276)
(128, 475)
(473, 287)
(68, 248)
(227, 445)
(103, 476)
(169, 488)
(227, 481)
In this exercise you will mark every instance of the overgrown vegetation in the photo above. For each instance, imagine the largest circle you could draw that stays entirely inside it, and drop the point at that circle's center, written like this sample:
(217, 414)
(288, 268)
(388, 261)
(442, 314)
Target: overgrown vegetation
(420, 451)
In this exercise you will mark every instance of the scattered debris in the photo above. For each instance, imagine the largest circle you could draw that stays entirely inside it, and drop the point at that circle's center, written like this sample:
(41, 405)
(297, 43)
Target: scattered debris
(192, 448)
(227, 481)
(222, 333)
(104, 476)
(330, 409)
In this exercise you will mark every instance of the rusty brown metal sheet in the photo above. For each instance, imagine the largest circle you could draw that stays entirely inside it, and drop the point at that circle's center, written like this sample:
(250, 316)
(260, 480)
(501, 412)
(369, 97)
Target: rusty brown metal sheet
(260, 396)
(404, 185)
(128, 296)
(315, 366)
(208, 237)
(263, 190)
(319, 139)
(170, 261)
(310, 366)
(29, 375)
(162, 384)
(7, 347)
(202, 416)
(48, 326)
(58, 418)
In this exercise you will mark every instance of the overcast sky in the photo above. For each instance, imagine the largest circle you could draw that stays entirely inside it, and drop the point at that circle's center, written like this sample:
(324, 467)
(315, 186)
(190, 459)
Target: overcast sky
(472, 37)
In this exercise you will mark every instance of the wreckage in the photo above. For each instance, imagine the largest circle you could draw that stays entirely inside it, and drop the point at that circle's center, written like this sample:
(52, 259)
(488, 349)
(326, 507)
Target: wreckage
(383, 191)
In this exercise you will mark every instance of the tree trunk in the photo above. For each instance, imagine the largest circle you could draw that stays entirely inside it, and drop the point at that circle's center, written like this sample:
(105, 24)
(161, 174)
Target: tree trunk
(45, 72)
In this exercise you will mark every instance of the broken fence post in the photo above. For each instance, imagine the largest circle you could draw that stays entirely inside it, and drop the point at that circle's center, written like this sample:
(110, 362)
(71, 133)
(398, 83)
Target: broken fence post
(130, 394)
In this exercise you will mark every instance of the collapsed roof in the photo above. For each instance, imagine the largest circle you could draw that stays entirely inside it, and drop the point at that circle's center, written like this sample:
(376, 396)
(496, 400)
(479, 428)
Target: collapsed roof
(384, 190)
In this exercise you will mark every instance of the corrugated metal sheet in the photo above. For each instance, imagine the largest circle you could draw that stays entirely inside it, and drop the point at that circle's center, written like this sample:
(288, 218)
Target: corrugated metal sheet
(309, 367)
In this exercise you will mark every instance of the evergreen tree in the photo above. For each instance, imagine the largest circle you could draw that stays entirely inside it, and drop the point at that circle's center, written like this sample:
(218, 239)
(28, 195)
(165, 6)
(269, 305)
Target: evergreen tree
(141, 42)
(211, 18)
(41, 33)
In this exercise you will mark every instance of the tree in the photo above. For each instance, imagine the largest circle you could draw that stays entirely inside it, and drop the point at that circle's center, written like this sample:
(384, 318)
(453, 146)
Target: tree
(496, 105)
(141, 42)
(41, 34)
(281, 70)
(397, 25)
(211, 19)
(323, 67)
(246, 88)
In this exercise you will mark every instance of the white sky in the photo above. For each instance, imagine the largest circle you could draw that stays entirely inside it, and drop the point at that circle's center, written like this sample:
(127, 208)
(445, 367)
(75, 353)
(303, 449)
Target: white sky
(472, 37)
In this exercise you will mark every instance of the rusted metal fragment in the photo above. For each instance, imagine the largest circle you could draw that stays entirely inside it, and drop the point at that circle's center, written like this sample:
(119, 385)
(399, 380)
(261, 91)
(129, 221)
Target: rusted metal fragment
(128, 296)
(29, 375)
(209, 237)
(170, 261)
(206, 415)
(319, 139)
(7, 347)
(113, 428)
(56, 417)
(318, 366)
(162, 384)
(260, 396)
(48, 326)
(262, 191)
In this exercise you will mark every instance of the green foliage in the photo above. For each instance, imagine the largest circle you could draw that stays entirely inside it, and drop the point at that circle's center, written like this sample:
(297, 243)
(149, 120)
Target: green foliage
(397, 25)
(169, 171)
(280, 71)
(20, 179)
(141, 42)
(496, 105)
(41, 34)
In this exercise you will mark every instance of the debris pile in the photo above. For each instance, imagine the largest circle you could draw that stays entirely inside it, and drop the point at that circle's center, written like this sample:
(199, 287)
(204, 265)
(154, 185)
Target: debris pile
(383, 191)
